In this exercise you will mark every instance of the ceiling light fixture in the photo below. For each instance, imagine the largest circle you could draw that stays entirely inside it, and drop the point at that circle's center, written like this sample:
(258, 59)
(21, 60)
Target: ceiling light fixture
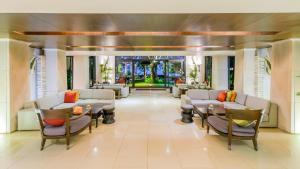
(176, 33)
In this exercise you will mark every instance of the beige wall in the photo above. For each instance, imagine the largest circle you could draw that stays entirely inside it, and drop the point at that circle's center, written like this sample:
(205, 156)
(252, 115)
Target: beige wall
(296, 84)
(20, 54)
(281, 82)
(14, 81)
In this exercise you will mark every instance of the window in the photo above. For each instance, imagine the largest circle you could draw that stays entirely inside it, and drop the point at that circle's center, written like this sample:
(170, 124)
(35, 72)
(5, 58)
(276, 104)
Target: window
(208, 69)
(92, 70)
(70, 72)
(231, 63)
(262, 73)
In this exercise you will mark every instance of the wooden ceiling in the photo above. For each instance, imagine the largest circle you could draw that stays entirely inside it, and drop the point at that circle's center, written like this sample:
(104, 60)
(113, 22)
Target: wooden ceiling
(150, 31)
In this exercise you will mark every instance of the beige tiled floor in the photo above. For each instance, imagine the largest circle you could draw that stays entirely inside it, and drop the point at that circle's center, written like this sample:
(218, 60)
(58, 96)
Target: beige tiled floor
(148, 134)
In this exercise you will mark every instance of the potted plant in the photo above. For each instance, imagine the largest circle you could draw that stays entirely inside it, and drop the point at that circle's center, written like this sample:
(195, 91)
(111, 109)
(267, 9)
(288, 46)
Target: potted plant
(105, 72)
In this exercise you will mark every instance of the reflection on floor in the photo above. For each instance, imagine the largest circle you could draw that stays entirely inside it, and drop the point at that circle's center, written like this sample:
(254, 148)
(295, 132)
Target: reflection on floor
(148, 134)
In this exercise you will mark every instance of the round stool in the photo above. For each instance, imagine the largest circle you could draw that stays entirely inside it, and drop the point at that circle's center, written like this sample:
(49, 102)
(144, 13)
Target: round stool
(108, 114)
(187, 113)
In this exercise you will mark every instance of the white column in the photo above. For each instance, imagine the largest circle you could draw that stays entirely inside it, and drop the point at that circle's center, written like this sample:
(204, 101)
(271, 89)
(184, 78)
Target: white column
(4, 86)
(220, 72)
(81, 72)
(244, 80)
(56, 72)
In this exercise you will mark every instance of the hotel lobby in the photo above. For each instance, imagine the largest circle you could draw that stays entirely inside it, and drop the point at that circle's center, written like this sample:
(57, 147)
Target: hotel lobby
(150, 85)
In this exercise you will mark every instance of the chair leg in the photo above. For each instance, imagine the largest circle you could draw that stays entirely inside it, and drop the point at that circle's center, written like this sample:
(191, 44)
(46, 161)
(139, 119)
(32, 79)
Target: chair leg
(207, 129)
(90, 127)
(202, 122)
(96, 122)
(43, 144)
(68, 142)
(255, 144)
(229, 143)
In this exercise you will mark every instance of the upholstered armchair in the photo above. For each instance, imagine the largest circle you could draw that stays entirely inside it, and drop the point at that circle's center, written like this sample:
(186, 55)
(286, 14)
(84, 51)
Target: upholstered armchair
(226, 126)
(72, 125)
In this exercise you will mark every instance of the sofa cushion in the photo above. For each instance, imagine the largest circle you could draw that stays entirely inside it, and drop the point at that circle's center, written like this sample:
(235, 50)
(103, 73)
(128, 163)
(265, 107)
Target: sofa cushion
(85, 93)
(233, 105)
(222, 125)
(104, 94)
(54, 122)
(75, 125)
(205, 102)
(241, 98)
(222, 96)
(54, 131)
(93, 101)
(80, 123)
(65, 105)
(196, 94)
(213, 94)
(258, 103)
(48, 101)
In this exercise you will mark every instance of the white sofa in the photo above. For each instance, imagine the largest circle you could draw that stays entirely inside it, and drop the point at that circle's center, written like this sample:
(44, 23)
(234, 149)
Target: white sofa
(200, 97)
(176, 89)
(27, 119)
(124, 89)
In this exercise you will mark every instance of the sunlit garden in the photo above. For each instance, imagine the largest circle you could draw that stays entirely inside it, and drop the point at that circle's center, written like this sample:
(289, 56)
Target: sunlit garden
(153, 72)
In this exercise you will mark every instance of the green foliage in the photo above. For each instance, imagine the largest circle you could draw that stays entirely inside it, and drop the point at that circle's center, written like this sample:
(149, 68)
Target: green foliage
(149, 80)
(194, 73)
(32, 63)
(105, 71)
(268, 65)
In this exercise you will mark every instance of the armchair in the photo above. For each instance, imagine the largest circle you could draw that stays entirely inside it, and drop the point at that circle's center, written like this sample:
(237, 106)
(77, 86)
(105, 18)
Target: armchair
(72, 126)
(226, 127)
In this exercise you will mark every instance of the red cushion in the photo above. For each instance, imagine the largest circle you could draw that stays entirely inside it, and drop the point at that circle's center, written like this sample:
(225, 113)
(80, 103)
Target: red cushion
(70, 97)
(222, 96)
(121, 80)
(55, 122)
(179, 81)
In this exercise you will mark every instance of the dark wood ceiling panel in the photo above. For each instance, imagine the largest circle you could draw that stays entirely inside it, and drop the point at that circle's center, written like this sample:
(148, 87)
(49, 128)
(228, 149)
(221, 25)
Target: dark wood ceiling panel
(288, 24)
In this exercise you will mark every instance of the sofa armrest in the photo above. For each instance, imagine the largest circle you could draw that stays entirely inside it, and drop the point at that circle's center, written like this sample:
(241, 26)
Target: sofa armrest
(185, 100)
(30, 105)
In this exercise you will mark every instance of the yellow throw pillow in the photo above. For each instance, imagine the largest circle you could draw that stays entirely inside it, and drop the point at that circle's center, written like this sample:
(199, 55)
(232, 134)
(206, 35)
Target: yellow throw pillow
(243, 123)
(229, 94)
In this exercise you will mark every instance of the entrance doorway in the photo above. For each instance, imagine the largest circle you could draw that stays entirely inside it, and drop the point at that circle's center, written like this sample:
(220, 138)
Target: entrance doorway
(150, 71)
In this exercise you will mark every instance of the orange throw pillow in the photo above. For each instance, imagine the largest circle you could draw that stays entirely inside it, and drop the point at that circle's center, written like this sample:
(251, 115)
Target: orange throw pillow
(77, 110)
(222, 96)
(233, 96)
(70, 97)
(54, 122)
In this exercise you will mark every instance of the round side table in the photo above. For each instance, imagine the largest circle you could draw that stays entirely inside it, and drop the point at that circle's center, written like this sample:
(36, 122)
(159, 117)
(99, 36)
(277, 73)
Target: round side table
(108, 114)
(187, 113)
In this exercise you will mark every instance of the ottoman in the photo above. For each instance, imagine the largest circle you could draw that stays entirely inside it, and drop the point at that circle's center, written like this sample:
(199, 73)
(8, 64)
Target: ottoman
(108, 114)
(187, 113)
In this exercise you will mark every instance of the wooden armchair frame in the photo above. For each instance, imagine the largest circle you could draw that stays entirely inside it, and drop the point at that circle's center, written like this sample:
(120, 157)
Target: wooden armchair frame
(63, 114)
(234, 114)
